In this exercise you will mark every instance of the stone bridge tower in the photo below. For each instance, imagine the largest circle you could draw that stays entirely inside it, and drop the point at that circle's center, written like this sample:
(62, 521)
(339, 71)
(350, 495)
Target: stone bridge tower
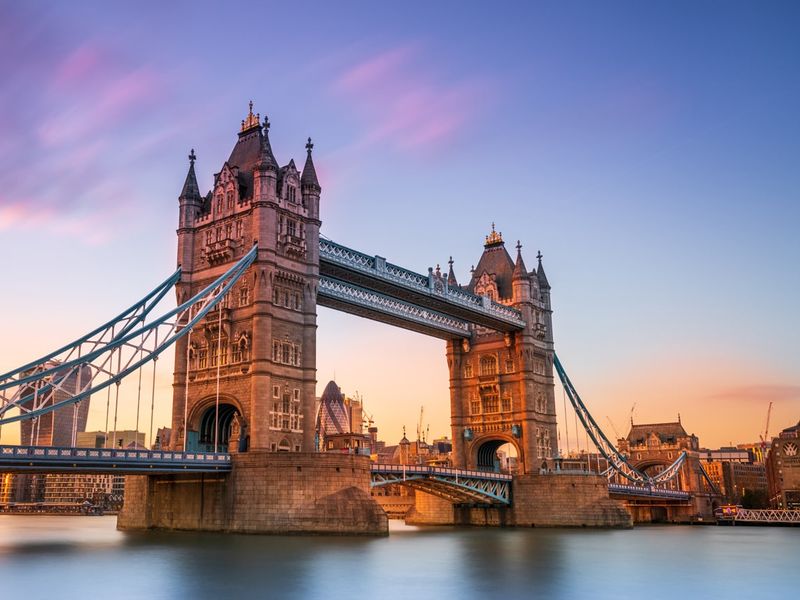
(250, 365)
(501, 385)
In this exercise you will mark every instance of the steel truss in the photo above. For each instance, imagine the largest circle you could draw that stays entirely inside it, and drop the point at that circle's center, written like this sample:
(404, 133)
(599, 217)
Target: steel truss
(111, 352)
(415, 317)
(458, 486)
(51, 459)
(430, 287)
(769, 515)
(618, 462)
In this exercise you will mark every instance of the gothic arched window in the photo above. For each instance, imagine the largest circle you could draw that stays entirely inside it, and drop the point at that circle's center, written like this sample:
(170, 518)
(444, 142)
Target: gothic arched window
(488, 365)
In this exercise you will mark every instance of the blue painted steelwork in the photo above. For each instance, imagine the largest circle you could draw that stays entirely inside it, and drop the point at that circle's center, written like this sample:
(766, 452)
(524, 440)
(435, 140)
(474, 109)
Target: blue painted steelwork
(341, 295)
(619, 489)
(374, 273)
(618, 461)
(45, 367)
(50, 459)
(460, 486)
(177, 322)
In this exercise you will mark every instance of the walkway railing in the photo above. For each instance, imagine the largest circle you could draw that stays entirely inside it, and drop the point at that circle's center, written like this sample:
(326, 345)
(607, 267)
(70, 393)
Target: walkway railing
(766, 516)
(647, 491)
(459, 486)
(376, 267)
(57, 459)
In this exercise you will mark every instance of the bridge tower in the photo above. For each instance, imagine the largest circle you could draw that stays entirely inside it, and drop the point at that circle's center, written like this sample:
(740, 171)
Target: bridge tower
(250, 365)
(501, 385)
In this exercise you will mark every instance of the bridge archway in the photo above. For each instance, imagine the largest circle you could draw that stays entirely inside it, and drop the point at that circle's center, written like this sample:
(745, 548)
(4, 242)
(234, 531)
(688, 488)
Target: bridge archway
(207, 415)
(486, 453)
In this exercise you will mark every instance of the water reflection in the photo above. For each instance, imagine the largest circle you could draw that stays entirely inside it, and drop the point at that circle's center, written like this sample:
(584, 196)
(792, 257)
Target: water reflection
(79, 557)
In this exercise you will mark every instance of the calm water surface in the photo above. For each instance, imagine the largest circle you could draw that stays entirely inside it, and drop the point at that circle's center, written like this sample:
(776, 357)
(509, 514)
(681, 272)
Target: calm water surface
(86, 557)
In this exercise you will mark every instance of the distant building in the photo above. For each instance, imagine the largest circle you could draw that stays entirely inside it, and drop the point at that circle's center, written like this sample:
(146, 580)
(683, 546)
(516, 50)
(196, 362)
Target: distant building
(56, 427)
(653, 447)
(738, 478)
(59, 427)
(163, 439)
(340, 424)
(783, 469)
(726, 455)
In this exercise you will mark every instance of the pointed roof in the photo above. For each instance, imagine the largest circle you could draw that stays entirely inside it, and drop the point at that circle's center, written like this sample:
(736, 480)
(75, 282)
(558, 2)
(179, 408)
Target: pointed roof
(496, 261)
(190, 187)
(309, 176)
(451, 276)
(543, 283)
(519, 267)
(246, 154)
(666, 432)
(266, 158)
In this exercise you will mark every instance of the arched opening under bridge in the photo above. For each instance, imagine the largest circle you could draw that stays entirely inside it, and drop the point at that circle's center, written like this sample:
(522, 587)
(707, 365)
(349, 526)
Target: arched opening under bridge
(224, 418)
(498, 455)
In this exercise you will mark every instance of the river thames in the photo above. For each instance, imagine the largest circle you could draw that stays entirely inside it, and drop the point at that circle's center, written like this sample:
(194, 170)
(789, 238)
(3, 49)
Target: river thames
(86, 557)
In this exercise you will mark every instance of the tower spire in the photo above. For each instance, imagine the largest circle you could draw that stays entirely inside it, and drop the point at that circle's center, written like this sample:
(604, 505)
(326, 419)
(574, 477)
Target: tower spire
(543, 283)
(520, 272)
(451, 276)
(251, 120)
(494, 238)
(190, 188)
(266, 159)
(309, 175)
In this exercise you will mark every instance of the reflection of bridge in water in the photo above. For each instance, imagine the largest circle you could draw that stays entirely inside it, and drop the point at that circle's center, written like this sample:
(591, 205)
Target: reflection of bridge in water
(253, 270)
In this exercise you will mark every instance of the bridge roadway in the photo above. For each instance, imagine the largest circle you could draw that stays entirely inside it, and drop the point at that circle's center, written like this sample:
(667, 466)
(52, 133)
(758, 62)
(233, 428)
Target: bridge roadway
(460, 486)
(371, 287)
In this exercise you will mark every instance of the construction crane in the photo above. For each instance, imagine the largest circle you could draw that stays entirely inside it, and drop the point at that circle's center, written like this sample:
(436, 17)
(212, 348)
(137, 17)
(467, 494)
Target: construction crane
(632, 409)
(610, 422)
(419, 426)
(765, 437)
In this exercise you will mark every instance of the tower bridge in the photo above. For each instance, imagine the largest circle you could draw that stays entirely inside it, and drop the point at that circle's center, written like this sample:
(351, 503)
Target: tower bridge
(252, 269)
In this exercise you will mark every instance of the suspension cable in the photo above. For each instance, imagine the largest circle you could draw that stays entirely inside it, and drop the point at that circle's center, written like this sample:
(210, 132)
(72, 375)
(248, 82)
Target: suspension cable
(139, 391)
(186, 386)
(566, 418)
(219, 364)
(153, 398)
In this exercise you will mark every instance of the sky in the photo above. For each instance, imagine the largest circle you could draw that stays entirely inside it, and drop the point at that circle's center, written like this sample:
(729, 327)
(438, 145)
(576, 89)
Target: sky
(650, 150)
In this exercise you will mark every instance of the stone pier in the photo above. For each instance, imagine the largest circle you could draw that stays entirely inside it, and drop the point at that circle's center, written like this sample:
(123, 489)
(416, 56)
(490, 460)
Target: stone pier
(538, 501)
(266, 493)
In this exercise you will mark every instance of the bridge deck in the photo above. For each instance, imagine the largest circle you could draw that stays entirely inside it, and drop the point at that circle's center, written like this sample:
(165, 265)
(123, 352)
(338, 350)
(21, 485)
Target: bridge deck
(49, 459)
(638, 491)
(374, 274)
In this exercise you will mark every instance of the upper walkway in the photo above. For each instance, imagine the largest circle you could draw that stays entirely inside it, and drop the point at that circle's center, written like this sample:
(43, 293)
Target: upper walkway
(374, 288)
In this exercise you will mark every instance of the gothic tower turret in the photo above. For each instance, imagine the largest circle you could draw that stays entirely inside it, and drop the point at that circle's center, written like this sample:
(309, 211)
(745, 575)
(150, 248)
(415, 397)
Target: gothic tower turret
(245, 377)
(501, 384)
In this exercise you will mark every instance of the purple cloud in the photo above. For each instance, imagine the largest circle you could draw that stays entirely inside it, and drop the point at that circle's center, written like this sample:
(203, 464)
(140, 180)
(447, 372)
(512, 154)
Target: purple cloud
(400, 99)
(64, 106)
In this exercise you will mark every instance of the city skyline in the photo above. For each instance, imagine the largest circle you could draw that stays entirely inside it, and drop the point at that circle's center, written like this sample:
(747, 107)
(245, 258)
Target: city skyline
(657, 184)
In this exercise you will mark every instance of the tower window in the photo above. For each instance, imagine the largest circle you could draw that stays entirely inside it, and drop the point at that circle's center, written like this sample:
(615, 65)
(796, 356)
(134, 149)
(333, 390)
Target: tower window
(291, 228)
(244, 296)
(292, 194)
(468, 370)
(488, 365)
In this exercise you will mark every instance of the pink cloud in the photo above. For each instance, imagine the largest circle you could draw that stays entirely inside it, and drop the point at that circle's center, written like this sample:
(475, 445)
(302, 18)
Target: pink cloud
(401, 100)
(95, 111)
(762, 393)
(78, 67)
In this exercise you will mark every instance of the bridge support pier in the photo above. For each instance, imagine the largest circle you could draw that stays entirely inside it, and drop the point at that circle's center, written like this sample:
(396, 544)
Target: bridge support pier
(538, 501)
(266, 492)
